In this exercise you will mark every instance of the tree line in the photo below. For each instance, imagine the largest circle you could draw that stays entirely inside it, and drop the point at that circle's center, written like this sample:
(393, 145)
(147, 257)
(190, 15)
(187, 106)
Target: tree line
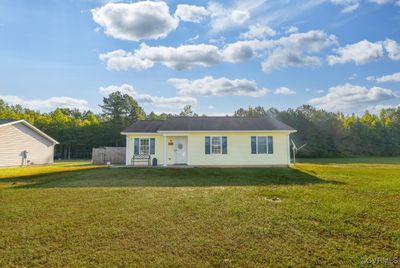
(327, 134)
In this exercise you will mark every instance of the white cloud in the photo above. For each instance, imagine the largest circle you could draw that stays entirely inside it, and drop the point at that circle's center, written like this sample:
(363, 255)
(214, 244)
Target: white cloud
(283, 57)
(311, 41)
(209, 86)
(350, 97)
(352, 5)
(350, 8)
(193, 39)
(383, 2)
(392, 48)
(123, 60)
(365, 51)
(380, 2)
(360, 53)
(395, 77)
(166, 102)
(258, 31)
(294, 50)
(191, 13)
(239, 16)
(376, 109)
(226, 18)
(281, 12)
(284, 91)
(353, 76)
(220, 41)
(245, 50)
(348, 5)
(123, 89)
(184, 57)
(287, 51)
(48, 104)
(207, 113)
(135, 21)
(371, 78)
(292, 29)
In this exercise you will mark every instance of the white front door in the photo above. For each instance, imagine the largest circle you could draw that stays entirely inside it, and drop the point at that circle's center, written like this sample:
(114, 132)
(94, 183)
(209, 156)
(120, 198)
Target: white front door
(180, 150)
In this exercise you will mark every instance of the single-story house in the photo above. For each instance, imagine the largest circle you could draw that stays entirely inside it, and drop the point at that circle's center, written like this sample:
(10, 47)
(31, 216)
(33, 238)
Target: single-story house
(210, 141)
(23, 144)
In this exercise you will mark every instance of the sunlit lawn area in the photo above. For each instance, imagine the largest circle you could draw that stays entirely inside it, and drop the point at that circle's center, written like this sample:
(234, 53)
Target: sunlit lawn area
(75, 214)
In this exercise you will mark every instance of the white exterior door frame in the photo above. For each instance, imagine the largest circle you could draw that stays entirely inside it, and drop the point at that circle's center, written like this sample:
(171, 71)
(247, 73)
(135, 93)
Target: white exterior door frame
(180, 150)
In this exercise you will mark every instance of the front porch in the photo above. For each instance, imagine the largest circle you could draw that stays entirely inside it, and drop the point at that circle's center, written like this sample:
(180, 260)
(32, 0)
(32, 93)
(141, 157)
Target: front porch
(168, 149)
(175, 150)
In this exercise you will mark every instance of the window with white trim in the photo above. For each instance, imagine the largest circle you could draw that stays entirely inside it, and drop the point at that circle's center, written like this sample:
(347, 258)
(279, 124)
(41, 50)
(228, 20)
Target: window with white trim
(144, 146)
(216, 145)
(262, 145)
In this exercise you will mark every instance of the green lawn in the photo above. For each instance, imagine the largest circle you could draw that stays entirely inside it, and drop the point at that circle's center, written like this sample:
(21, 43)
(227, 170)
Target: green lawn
(75, 214)
(353, 160)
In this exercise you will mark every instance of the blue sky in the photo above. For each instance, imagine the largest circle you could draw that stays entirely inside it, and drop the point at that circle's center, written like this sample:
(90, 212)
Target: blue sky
(340, 55)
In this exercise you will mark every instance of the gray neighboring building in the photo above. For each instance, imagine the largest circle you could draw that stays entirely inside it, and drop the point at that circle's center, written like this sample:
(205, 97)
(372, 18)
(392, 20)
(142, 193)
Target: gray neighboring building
(23, 144)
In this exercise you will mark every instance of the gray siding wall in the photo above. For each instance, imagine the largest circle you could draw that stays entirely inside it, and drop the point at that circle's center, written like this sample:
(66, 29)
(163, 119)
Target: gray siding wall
(14, 139)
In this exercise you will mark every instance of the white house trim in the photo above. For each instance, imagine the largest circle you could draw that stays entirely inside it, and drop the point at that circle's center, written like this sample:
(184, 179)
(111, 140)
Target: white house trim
(165, 151)
(127, 151)
(31, 127)
(288, 148)
(184, 132)
(169, 132)
(140, 133)
(173, 134)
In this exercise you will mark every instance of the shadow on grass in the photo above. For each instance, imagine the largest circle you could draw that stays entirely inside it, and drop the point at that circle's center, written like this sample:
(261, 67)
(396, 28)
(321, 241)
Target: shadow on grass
(389, 160)
(20, 175)
(160, 177)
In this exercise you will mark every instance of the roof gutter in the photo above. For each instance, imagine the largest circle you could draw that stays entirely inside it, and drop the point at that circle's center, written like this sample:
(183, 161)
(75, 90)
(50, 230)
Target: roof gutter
(140, 133)
(204, 131)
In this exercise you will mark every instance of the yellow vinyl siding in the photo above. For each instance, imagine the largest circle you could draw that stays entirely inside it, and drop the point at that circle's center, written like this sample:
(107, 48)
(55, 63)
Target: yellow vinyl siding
(158, 146)
(239, 149)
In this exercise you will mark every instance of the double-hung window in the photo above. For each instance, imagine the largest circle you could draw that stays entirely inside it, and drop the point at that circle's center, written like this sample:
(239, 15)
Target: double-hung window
(144, 146)
(216, 145)
(262, 145)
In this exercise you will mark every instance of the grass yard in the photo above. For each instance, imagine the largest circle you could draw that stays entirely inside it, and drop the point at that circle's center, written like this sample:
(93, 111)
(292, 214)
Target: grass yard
(353, 160)
(75, 214)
